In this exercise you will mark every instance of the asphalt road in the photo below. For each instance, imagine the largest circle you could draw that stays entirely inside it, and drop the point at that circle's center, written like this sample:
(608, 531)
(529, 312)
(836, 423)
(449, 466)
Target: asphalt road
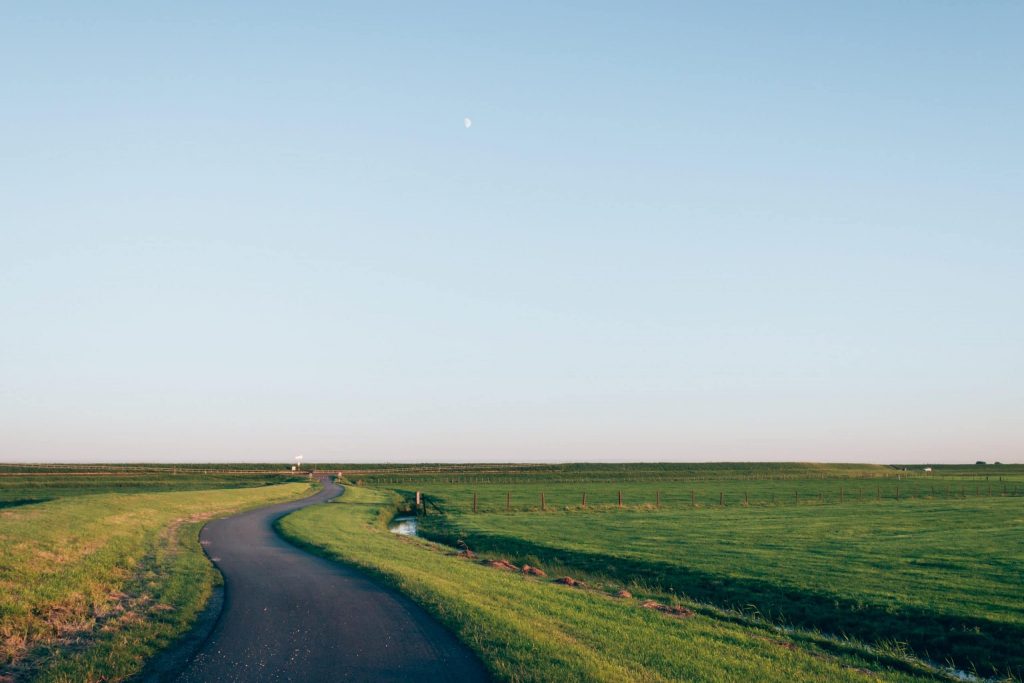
(291, 616)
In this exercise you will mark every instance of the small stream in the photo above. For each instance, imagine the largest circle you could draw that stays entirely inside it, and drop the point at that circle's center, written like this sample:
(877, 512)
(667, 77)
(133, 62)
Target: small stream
(403, 525)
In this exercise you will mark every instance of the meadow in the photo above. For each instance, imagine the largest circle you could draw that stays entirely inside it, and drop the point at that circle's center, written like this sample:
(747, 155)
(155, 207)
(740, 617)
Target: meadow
(530, 628)
(775, 572)
(941, 577)
(27, 484)
(929, 564)
(107, 570)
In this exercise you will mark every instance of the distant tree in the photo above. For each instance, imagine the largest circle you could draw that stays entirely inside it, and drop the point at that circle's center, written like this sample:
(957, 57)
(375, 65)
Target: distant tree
(980, 462)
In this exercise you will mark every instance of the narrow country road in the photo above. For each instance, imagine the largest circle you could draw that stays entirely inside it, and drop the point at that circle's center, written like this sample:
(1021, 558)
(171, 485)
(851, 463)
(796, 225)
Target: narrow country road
(291, 616)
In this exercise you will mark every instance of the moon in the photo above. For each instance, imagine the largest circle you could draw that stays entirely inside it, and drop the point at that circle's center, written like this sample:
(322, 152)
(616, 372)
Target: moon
(467, 122)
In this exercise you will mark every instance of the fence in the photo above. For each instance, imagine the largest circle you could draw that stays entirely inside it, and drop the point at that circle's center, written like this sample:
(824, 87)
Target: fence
(661, 498)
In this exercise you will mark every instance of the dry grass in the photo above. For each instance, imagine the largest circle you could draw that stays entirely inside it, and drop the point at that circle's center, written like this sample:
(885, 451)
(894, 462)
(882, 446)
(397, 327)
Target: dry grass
(92, 585)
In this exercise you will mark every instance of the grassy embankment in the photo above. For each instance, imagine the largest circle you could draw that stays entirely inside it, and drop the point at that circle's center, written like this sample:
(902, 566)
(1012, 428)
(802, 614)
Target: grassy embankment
(943, 577)
(91, 585)
(933, 562)
(529, 628)
(26, 484)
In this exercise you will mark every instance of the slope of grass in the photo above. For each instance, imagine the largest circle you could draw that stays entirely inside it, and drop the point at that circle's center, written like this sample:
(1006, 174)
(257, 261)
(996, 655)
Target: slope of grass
(531, 629)
(91, 585)
(943, 576)
(20, 488)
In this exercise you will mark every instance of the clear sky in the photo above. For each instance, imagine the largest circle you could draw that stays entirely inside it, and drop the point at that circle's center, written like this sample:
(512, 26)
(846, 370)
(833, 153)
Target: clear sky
(718, 230)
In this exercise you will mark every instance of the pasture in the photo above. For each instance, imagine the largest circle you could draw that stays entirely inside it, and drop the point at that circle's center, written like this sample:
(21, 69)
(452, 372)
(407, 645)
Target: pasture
(530, 628)
(942, 577)
(925, 563)
(710, 572)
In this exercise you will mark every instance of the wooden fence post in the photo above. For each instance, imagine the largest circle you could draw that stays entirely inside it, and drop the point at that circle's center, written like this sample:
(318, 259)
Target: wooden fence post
(658, 499)
(543, 505)
(474, 502)
(508, 501)
(620, 500)
(584, 499)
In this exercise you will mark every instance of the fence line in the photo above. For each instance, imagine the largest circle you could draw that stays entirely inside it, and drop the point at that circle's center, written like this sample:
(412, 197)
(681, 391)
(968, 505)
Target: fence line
(659, 502)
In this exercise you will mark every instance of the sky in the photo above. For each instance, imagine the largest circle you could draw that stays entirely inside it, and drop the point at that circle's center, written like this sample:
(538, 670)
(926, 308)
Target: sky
(674, 231)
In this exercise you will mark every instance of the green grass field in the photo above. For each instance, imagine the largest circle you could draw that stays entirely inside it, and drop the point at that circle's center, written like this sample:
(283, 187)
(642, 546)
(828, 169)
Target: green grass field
(902, 560)
(105, 572)
(530, 629)
(26, 484)
(942, 576)
(792, 572)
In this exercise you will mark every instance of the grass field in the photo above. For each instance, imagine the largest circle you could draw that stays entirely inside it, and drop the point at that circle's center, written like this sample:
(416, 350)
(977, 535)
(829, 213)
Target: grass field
(903, 560)
(789, 571)
(26, 484)
(92, 584)
(943, 577)
(531, 629)
(928, 562)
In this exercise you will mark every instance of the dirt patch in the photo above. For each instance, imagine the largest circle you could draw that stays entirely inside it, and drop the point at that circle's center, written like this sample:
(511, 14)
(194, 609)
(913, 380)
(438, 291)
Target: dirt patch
(671, 610)
(501, 564)
(75, 622)
(569, 581)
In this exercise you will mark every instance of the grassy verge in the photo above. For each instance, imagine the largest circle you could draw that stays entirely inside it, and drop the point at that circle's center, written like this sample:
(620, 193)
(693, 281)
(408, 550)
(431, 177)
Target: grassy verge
(90, 586)
(531, 629)
(940, 577)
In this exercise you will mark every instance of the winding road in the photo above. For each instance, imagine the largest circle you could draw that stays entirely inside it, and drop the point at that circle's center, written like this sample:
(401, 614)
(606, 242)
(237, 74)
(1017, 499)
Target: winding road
(291, 616)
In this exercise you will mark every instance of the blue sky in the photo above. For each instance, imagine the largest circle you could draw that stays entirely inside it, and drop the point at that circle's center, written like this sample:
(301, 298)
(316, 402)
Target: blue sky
(747, 231)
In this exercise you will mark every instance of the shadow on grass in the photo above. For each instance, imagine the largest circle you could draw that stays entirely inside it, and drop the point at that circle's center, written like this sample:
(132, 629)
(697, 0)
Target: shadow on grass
(970, 643)
(21, 501)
